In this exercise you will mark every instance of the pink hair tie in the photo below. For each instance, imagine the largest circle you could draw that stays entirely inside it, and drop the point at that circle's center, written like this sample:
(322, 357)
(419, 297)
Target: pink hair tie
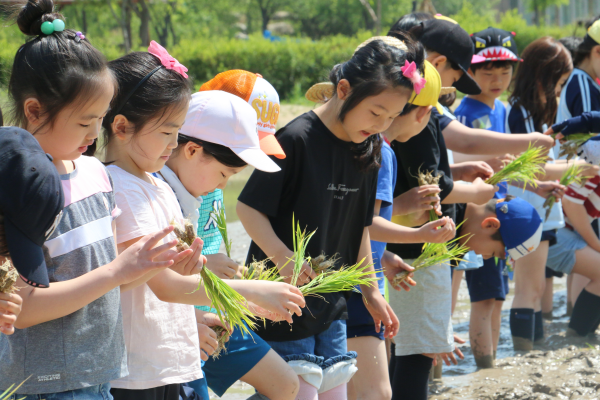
(166, 59)
(412, 73)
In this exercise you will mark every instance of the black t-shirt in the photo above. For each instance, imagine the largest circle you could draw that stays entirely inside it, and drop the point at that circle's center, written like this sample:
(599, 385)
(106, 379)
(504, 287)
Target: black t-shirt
(321, 185)
(426, 151)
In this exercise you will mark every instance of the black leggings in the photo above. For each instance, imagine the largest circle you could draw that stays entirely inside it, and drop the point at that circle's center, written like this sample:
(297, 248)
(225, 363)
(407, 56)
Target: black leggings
(409, 376)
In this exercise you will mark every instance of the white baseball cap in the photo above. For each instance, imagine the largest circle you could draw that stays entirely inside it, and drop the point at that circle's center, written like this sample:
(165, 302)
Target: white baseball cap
(223, 118)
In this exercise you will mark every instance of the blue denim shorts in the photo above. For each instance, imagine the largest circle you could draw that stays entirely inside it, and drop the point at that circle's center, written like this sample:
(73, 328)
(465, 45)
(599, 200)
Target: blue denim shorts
(97, 392)
(488, 282)
(327, 344)
(561, 256)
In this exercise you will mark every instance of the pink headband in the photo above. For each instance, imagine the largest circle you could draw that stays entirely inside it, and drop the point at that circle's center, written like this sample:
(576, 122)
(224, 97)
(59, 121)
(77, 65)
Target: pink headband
(166, 59)
(412, 73)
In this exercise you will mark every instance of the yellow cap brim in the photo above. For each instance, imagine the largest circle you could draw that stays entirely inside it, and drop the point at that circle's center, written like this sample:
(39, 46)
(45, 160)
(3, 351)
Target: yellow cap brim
(439, 107)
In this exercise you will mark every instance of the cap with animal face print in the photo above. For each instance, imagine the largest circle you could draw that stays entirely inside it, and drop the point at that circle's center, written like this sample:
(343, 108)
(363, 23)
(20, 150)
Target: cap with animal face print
(493, 44)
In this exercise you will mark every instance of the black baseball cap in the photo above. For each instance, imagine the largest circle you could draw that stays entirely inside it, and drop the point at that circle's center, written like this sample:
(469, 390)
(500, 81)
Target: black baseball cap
(495, 44)
(31, 202)
(449, 39)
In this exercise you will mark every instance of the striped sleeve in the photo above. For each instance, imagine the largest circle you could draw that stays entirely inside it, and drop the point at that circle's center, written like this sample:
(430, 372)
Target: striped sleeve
(578, 194)
(518, 121)
(582, 96)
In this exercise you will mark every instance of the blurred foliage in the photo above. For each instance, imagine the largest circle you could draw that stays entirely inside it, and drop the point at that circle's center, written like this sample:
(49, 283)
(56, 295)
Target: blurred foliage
(202, 33)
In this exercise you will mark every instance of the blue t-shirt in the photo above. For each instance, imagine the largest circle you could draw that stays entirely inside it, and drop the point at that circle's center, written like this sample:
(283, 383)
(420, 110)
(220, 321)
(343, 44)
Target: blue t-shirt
(386, 182)
(475, 114)
(207, 225)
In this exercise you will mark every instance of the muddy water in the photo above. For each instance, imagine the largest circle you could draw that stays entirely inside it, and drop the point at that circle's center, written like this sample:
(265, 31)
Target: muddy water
(561, 368)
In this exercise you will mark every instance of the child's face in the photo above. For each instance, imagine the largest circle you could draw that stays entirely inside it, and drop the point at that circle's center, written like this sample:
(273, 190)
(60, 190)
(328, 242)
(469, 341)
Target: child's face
(557, 89)
(493, 81)
(482, 242)
(595, 59)
(150, 148)
(449, 76)
(75, 127)
(407, 126)
(201, 173)
(374, 114)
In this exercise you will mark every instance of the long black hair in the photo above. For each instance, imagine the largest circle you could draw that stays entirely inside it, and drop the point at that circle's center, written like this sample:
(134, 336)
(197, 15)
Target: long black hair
(371, 70)
(161, 93)
(58, 70)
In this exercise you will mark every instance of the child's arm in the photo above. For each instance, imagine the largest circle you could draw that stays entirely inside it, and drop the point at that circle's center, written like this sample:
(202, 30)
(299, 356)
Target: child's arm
(588, 122)
(480, 141)
(578, 217)
(277, 297)
(66, 297)
(379, 309)
(478, 192)
(386, 231)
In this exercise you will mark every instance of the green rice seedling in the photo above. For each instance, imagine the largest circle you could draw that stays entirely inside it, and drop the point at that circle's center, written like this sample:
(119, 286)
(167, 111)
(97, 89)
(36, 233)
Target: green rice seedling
(435, 254)
(330, 280)
(8, 277)
(222, 226)
(524, 168)
(229, 304)
(11, 390)
(301, 239)
(572, 143)
(571, 175)
(427, 178)
(258, 270)
(342, 280)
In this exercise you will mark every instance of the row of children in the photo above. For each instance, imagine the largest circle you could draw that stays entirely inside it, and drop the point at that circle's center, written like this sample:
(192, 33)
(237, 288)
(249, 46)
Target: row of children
(117, 318)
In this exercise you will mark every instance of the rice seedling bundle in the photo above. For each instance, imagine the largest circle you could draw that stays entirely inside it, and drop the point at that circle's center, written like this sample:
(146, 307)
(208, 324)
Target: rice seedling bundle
(222, 227)
(435, 254)
(570, 147)
(229, 304)
(258, 270)
(428, 178)
(221, 338)
(328, 280)
(8, 277)
(571, 175)
(524, 168)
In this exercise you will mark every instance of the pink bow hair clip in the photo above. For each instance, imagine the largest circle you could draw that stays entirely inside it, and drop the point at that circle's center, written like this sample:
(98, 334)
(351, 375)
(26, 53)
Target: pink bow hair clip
(410, 71)
(166, 59)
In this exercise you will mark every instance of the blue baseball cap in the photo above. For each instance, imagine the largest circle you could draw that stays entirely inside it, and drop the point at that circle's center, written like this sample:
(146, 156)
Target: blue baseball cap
(31, 202)
(520, 226)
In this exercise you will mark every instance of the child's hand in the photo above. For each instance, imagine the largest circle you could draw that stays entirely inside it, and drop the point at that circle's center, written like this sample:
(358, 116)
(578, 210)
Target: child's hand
(471, 170)
(559, 136)
(262, 313)
(381, 312)
(277, 297)
(448, 357)
(417, 199)
(287, 258)
(223, 266)
(192, 262)
(483, 192)
(10, 308)
(208, 341)
(542, 140)
(429, 233)
(498, 163)
(145, 256)
(392, 265)
(550, 188)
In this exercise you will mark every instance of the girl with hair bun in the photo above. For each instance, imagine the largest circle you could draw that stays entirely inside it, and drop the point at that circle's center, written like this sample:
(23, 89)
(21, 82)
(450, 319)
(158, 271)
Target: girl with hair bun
(69, 340)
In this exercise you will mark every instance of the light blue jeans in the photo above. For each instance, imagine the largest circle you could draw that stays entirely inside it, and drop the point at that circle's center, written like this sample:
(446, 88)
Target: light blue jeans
(98, 392)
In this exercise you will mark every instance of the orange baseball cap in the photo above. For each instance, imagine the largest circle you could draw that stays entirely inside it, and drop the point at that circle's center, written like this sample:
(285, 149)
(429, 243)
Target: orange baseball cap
(261, 95)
